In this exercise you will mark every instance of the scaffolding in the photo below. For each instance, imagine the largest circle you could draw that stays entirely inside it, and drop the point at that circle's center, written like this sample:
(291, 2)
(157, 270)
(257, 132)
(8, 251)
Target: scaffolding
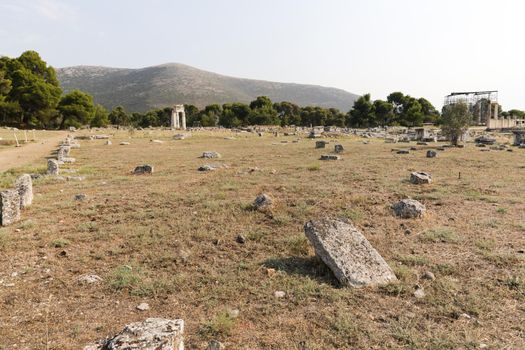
(483, 105)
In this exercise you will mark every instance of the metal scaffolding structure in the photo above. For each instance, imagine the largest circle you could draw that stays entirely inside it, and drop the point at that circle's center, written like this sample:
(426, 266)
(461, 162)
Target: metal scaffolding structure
(482, 104)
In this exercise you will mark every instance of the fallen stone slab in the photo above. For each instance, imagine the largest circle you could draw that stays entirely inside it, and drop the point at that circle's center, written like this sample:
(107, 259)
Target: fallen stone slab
(124, 143)
(24, 186)
(353, 260)
(9, 207)
(330, 157)
(151, 334)
(67, 160)
(143, 169)
(75, 178)
(403, 151)
(409, 209)
(210, 167)
(419, 178)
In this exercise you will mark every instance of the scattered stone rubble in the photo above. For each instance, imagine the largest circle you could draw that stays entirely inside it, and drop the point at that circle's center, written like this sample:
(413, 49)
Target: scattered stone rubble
(211, 167)
(348, 253)
(210, 155)
(151, 334)
(330, 157)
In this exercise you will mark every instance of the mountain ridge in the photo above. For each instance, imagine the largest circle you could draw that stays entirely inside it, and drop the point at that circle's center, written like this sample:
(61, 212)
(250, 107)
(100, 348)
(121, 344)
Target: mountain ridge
(141, 89)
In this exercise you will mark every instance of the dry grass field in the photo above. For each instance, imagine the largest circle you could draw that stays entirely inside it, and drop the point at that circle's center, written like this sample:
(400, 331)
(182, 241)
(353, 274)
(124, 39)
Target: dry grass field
(169, 239)
(8, 139)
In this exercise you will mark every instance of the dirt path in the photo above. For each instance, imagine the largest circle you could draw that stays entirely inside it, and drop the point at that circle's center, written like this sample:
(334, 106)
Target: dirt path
(18, 156)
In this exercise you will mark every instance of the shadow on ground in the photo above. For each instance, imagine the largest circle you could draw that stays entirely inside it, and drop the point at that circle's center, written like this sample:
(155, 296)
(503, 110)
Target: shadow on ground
(311, 267)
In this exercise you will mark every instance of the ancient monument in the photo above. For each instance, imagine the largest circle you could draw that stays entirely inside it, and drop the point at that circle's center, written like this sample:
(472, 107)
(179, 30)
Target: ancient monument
(178, 117)
(485, 110)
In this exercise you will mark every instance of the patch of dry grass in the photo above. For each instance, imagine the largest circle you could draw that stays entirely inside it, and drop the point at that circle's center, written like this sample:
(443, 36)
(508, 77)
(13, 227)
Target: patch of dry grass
(169, 239)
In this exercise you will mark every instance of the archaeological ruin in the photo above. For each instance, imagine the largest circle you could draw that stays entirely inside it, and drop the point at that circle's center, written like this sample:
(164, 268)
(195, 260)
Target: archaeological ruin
(485, 109)
(178, 117)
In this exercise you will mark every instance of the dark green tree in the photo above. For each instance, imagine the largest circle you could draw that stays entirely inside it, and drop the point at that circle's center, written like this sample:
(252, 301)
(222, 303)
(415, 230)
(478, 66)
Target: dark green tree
(430, 113)
(100, 117)
(384, 112)
(335, 117)
(35, 88)
(76, 109)
(289, 113)
(455, 120)
(262, 112)
(362, 113)
(118, 116)
(516, 113)
(412, 113)
(192, 115)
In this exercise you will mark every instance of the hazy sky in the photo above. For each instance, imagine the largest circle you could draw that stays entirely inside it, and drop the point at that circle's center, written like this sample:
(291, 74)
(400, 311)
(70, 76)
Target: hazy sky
(423, 48)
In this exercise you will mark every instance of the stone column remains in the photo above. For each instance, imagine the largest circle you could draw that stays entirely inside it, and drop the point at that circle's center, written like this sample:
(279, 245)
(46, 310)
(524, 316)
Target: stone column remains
(24, 186)
(9, 207)
(183, 120)
(52, 167)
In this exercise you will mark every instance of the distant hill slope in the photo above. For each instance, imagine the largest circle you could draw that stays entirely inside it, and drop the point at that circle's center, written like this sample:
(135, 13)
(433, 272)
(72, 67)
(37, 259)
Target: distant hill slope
(161, 86)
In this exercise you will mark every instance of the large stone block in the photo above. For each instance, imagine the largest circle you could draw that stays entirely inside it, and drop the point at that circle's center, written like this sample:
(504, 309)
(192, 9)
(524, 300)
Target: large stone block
(52, 167)
(151, 334)
(321, 144)
(143, 169)
(24, 186)
(409, 208)
(348, 253)
(419, 178)
(9, 207)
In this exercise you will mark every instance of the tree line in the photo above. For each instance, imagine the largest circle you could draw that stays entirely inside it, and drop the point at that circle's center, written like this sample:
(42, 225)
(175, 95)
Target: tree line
(399, 109)
(30, 96)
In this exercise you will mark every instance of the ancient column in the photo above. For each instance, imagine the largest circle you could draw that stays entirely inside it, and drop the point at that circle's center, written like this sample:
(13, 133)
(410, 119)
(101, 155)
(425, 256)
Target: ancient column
(24, 186)
(9, 207)
(183, 120)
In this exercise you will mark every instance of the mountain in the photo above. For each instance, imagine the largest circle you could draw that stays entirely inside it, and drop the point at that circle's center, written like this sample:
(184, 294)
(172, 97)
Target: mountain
(139, 90)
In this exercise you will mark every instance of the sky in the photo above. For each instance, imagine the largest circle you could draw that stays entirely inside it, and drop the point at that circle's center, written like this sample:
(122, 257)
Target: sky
(424, 48)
